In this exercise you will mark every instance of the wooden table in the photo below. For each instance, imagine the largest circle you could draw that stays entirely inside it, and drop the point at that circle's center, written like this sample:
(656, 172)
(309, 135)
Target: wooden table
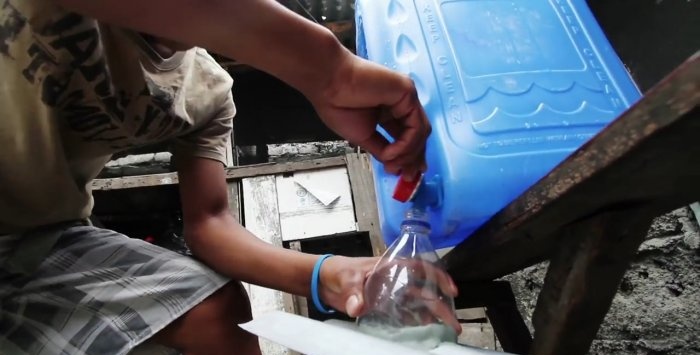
(588, 217)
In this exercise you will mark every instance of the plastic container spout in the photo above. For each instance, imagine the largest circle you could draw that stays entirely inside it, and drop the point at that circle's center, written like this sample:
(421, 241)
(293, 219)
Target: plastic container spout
(422, 192)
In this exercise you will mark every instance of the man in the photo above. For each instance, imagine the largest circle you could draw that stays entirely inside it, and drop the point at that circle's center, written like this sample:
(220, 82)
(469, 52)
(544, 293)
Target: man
(84, 79)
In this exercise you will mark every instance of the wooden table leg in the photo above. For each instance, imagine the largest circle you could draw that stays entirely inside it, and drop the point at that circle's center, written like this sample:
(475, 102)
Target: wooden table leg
(583, 277)
(502, 311)
(508, 324)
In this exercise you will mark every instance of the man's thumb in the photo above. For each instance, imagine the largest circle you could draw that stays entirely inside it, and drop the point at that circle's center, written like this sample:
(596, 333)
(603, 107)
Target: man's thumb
(354, 305)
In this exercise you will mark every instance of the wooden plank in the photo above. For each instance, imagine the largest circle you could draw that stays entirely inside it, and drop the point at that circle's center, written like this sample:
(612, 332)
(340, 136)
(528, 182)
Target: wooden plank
(479, 335)
(232, 173)
(262, 219)
(231, 151)
(476, 330)
(315, 203)
(582, 279)
(234, 199)
(128, 182)
(281, 168)
(231, 158)
(362, 185)
(290, 304)
(234, 187)
(647, 154)
(300, 303)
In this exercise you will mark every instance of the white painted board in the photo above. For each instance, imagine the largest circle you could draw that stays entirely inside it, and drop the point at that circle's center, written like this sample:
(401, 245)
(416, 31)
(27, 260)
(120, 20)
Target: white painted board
(262, 219)
(315, 203)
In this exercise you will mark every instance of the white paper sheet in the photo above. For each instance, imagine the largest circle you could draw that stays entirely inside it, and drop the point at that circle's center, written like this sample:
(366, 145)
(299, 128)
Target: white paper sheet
(312, 337)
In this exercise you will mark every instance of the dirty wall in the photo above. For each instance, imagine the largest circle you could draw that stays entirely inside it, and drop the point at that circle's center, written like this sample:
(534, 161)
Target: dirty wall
(657, 308)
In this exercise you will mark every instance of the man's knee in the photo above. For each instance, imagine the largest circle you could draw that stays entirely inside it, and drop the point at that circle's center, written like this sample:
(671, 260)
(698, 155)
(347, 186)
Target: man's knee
(230, 304)
(234, 299)
(212, 323)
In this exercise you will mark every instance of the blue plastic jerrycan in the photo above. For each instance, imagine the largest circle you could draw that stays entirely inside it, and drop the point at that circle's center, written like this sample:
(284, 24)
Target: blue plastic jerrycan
(511, 89)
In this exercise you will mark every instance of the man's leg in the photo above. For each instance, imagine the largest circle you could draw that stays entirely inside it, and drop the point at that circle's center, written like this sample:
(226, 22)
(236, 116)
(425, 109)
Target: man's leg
(211, 327)
(98, 292)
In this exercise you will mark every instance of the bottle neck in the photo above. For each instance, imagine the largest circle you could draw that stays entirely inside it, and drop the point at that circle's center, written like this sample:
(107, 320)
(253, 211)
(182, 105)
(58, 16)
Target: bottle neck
(416, 220)
(416, 213)
(418, 229)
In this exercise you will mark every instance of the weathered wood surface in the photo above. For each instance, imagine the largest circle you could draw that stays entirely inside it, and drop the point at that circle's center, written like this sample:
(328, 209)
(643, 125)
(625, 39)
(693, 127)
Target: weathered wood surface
(501, 310)
(315, 203)
(232, 173)
(363, 194)
(300, 303)
(582, 279)
(293, 303)
(262, 218)
(233, 191)
(649, 155)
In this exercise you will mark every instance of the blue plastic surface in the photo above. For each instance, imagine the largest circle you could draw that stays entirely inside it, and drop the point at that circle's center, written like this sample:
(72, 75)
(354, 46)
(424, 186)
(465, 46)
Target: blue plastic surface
(511, 89)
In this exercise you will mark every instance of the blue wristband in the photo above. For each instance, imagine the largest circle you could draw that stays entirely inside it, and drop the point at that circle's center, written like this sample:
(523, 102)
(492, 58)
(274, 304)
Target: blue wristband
(314, 285)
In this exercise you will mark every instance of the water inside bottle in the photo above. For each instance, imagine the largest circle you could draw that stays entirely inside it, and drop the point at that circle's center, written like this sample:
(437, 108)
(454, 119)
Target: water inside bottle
(402, 292)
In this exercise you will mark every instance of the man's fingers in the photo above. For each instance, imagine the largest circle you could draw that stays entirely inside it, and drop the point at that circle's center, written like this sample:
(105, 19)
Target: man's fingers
(397, 156)
(399, 153)
(446, 314)
(376, 145)
(354, 305)
(381, 96)
(408, 156)
(425, 270)
(410, 129)
(410, 111)
(445, 282)
(393, 127)
(410, 166)
(408, 134)
(440, 309)
(392, 169)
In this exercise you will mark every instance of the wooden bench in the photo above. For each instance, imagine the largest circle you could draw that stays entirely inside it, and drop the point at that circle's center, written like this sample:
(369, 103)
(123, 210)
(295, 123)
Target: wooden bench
(588, 217)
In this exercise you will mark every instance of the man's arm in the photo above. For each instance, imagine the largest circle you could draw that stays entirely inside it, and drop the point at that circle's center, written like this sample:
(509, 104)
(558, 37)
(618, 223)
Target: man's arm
(215, 237)
(224, 245)
(351, 95)
(262, 33)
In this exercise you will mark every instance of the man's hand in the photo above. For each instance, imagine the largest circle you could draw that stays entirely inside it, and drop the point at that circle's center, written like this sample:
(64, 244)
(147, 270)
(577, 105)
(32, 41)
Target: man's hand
(363, 95)
(343, 283)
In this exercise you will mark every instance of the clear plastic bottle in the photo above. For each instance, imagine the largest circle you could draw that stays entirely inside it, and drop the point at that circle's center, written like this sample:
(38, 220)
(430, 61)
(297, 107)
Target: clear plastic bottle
(402, 292)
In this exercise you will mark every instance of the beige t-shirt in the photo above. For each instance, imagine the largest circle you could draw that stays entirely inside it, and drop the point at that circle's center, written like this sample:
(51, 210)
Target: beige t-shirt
(74, 91)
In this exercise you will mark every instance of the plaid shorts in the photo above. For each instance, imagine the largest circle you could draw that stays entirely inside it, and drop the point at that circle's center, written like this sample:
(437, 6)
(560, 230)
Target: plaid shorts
(97, 292)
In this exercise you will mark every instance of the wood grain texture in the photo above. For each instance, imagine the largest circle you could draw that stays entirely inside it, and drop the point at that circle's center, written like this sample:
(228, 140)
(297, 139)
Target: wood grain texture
(233, 190)
(583, 277)
(315, 203)
(300, 303)
(232, 173)
(363, 194)
(262, 219)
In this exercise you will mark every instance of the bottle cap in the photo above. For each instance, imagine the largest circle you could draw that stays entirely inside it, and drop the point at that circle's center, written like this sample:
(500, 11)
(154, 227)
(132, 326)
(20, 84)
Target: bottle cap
(405, 190)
